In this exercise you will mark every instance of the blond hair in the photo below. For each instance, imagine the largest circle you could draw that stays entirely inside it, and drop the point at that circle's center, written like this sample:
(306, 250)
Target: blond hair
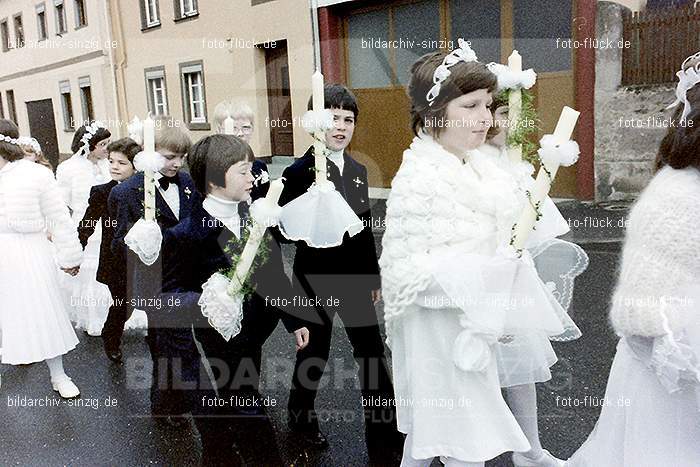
(235, 110)
(172, 135)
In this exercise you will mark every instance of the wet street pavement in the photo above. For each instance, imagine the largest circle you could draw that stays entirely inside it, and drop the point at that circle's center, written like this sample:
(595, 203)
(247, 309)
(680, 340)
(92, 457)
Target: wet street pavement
(110, 423)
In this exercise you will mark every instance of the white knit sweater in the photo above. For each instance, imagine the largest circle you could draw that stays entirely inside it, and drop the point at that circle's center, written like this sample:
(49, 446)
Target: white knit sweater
(31, 201)
(437, 204)
(661, 255)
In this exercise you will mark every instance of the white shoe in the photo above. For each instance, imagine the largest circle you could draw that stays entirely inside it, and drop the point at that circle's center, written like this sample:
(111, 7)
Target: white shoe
(65, 387)
(545, 460)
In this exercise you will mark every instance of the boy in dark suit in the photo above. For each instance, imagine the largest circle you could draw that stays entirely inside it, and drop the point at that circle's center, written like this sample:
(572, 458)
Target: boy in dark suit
(172, 349)
(112, 269)
(205, 243)
(346, 277)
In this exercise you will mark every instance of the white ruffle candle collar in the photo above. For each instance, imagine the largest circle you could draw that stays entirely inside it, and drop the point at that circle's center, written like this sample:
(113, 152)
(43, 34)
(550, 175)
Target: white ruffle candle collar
(225, 211)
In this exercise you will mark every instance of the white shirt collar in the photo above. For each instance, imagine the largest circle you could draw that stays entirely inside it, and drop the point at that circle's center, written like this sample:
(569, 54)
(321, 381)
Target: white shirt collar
(225, 211)
(337, 158)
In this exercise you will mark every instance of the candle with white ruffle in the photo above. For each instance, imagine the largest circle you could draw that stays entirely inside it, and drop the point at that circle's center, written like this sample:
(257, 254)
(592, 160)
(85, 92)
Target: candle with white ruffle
(149, 185)
(318, 104)
(257, 232)
(515, 105)
(556, 150)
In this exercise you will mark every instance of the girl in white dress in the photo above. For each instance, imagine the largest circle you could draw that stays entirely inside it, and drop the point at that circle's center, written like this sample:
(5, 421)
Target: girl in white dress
(35, 325)
(445, 252)
(651, 415)
(526, 359)
(89, 300)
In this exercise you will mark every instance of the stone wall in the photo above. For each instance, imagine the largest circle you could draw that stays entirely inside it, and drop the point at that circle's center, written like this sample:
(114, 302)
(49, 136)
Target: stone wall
(629, 123)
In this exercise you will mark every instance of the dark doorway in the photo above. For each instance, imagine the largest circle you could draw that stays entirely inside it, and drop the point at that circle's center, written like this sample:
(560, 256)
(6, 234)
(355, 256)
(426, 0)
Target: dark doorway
(279, 99)
(42, 126)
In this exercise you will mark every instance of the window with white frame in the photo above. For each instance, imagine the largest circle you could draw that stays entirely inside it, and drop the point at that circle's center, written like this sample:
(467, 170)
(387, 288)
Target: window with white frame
(188, 8)
(193, 92)
(67, 106)
(157, 93)
(150, 11)
(19, 31)
(42, 28)
(86, 98)
(80, 14)
(60, 14)
(5, 35)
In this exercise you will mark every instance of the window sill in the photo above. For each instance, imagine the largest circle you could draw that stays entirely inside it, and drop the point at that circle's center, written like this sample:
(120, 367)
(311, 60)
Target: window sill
(199, 126)
(187, 18)
(151, 27)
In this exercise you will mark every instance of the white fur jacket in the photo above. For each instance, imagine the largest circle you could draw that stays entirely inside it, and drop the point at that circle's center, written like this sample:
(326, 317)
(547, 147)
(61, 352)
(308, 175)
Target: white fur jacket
(438, 203)
(76, 176)
(660, 268)
(31, 201)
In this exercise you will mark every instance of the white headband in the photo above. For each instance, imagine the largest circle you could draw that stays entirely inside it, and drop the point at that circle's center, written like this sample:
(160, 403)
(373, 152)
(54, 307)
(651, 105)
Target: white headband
(462, 54)
(90, 132)
(7, 139)
(29, 141)
(686, 80)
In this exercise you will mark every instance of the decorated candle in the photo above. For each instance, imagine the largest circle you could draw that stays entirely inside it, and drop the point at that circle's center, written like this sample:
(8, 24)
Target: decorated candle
(515, 105)
(257, 232)
(149, 187)
(228, 126)
(543, 182)
(319, 103)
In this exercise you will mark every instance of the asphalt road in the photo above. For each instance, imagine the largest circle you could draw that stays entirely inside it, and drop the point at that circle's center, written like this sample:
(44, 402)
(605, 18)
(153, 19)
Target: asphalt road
(110, 423)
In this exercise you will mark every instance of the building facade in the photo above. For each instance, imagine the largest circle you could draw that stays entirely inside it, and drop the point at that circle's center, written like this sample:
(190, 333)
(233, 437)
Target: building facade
(55, 68)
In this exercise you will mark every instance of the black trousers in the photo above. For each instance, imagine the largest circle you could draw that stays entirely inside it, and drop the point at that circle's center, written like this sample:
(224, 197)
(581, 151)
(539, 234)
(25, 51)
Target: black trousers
(236, 367)
(119, 314)
(354, 306)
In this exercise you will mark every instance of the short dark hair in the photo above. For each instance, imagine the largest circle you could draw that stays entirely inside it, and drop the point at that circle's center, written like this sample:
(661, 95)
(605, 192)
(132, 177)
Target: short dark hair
(100, 134)
(465, 77)
(337, 96)
(211, 157)
(126, 146)
(8, 151)
(680, 148)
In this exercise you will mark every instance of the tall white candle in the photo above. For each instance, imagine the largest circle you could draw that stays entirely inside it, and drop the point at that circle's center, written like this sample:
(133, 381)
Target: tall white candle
(515, 105)
(319, 102)
(543, 183)
(149, 186)
(228, 126)
(257, 232)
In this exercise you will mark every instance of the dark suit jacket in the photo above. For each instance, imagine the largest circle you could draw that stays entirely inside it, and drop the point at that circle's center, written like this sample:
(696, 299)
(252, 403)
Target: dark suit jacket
(112, 268)
(126, 200)
(356, 257)
(259, 189)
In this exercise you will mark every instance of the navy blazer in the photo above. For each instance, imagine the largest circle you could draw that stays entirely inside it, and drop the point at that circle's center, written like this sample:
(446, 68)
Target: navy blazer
(259, 189)
(357, 255)
(125, 204)
(192, 251)
(112, 268)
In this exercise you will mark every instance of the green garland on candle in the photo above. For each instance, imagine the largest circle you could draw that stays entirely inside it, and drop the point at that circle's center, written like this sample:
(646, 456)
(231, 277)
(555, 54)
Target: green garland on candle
(521, 134)
(233, 250)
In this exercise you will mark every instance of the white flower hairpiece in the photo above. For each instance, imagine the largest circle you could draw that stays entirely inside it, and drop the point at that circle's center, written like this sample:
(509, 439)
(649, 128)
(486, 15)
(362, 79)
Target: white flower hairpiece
(509, 79)
(686, 80)
(29, 141)
(463, 53)
(7, 139)
(90, 132)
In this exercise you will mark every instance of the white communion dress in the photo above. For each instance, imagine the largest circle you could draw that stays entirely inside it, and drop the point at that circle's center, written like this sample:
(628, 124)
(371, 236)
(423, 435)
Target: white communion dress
(651, 414)
(527, 358)
(447, 285)
(33, 316)
(88, 300)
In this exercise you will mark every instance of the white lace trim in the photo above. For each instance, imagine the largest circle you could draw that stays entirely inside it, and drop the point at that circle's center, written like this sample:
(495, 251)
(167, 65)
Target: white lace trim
(223, 311)
(145, 239)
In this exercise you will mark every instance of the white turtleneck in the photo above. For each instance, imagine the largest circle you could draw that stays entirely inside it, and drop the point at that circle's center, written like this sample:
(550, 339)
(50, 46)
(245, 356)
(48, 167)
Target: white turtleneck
(337, 158)
(225, 211)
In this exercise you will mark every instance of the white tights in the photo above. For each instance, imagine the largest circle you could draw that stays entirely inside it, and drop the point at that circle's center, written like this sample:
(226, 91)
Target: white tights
(56, 367)
(522, 400)
(408, 461)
